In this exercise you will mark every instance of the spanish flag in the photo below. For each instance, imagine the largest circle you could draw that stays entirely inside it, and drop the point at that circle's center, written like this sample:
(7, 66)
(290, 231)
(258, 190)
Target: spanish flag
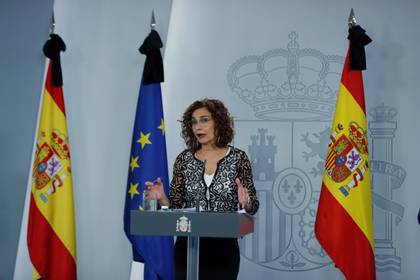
(344, 225)
(51, 234)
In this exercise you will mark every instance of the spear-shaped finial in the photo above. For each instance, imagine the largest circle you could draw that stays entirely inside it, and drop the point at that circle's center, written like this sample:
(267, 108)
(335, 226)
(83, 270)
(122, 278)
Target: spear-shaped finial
(52, 23)
(352, 19)
(153, 21)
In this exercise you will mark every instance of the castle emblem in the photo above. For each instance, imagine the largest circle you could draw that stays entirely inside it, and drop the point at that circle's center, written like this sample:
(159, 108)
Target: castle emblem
(346, 156)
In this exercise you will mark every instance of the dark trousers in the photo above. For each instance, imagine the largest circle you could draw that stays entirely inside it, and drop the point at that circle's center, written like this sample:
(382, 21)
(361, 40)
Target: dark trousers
(219, 258)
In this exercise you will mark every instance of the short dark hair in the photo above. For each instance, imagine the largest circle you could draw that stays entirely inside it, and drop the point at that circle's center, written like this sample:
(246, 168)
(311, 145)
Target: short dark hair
(222, 119)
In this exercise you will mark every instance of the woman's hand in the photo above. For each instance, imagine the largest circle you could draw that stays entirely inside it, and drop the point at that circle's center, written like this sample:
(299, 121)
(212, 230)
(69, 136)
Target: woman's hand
(155, 191)
(243, 195)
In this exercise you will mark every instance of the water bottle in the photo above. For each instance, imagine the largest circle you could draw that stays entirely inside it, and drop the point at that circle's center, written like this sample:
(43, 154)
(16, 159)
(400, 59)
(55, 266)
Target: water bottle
(149, 204)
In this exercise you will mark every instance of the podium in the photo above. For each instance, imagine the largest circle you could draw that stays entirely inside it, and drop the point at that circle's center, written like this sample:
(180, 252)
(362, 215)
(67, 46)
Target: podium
(193, 225)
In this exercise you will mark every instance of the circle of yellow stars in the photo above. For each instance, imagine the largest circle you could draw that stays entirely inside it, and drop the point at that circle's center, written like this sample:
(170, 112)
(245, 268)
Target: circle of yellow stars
(143, 141)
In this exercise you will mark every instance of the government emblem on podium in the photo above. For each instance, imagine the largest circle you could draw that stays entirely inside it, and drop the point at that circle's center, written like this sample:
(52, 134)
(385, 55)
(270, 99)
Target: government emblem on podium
(183, 224)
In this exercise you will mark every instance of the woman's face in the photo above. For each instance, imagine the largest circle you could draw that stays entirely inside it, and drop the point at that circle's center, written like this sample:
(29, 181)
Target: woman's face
(203, 126)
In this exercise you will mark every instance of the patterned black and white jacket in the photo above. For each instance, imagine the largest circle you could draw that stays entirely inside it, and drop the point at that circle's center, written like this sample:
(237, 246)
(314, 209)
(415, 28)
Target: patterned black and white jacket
(222, 194)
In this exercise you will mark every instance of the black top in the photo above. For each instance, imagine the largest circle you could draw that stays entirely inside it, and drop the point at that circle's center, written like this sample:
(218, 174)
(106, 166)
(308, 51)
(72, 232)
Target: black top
(188, 180)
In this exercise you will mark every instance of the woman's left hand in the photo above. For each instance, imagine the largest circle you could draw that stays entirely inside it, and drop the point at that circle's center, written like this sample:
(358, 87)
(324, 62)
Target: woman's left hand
(243, 195)
(155, 191)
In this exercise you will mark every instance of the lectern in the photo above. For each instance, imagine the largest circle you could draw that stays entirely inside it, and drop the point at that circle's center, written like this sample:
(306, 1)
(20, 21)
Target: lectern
(193, 225)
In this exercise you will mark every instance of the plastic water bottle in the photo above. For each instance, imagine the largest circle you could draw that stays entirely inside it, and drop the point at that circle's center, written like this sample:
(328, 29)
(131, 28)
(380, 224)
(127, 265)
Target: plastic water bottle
(149, 204)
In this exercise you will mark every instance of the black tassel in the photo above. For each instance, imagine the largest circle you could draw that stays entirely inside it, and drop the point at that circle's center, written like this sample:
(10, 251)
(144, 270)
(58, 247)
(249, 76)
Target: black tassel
(153, 66)
(358, 41)
(52, 49)
(418, 217)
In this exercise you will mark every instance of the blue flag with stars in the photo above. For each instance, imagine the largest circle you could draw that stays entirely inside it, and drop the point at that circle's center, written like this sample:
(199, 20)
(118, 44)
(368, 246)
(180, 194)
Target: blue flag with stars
(147, 162)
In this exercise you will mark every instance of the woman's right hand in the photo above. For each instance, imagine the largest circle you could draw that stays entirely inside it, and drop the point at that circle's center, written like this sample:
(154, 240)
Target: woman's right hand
(155, 191)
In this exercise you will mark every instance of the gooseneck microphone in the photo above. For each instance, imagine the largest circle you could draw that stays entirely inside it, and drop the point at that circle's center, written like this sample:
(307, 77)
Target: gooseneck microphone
(197, 198)
(197, 192)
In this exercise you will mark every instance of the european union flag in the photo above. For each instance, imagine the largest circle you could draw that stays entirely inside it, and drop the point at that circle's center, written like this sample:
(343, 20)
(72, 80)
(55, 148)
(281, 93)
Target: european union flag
(148, 161)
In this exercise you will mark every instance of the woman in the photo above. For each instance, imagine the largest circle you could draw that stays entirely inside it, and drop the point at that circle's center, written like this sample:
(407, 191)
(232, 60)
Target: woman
(216, 174)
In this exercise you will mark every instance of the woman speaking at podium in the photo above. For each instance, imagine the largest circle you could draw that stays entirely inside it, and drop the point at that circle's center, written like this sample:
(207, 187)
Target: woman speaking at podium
(216, 175)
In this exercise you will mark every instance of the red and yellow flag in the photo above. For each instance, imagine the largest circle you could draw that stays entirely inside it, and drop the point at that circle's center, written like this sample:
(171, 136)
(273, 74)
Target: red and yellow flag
(51, 228)
(344, 219)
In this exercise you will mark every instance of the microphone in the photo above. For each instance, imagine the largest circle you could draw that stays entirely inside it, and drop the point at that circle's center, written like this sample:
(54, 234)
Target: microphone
(197, 193)
(235, 163)
(238, 173)
(197, 198)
